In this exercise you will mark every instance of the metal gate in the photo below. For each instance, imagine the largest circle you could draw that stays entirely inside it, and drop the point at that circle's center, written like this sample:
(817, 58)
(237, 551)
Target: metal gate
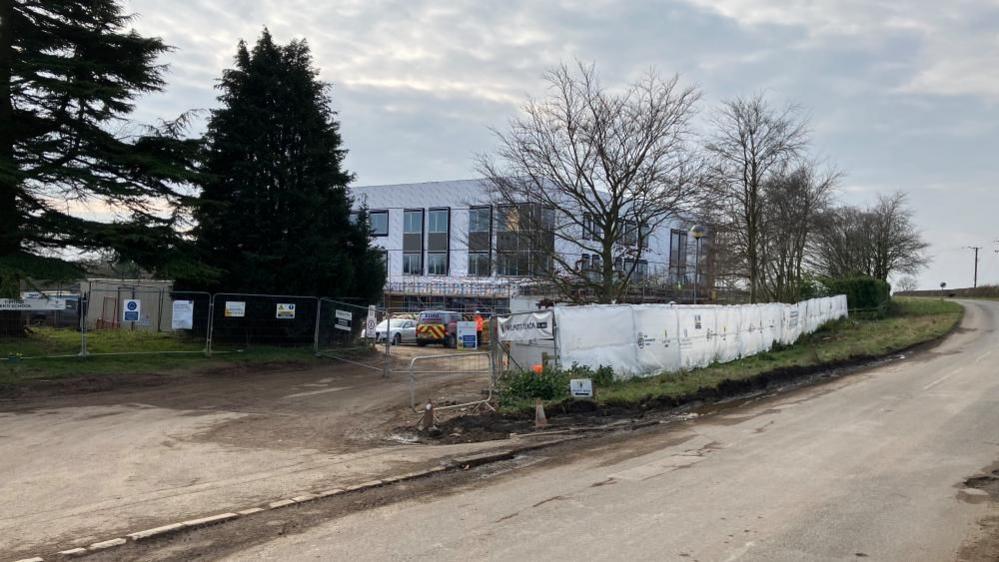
(473, 363)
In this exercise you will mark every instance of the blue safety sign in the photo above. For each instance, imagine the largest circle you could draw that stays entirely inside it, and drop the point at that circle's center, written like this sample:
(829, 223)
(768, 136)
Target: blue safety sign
(131, 310)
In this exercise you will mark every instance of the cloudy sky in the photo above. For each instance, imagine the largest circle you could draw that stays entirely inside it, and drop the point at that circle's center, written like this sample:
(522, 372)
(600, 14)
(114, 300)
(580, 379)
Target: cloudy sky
(902, 95)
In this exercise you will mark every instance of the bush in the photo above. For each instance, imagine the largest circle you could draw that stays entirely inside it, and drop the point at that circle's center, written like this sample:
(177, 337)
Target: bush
(862, 293)
(526, 385)
(551, 384)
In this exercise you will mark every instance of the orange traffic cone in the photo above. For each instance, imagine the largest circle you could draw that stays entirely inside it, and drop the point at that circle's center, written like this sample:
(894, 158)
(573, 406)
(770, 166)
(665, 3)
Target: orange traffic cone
(540, 420)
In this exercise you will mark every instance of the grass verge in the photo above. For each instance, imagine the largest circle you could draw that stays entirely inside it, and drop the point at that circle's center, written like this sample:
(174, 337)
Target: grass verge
(909, 322)
(36, 357)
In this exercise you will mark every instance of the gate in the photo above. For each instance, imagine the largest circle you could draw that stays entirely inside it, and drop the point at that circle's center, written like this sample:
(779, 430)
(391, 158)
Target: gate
(462, 363)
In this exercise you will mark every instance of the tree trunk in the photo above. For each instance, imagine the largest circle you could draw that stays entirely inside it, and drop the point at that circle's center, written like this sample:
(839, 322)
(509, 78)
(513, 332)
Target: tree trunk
(10, 232)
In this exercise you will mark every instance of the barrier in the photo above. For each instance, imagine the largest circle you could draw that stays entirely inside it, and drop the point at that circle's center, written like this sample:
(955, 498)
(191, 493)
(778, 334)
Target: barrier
(639, 340)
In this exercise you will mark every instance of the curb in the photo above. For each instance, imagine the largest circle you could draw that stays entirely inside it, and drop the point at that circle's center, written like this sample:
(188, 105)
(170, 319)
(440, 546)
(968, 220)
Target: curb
(457, 463)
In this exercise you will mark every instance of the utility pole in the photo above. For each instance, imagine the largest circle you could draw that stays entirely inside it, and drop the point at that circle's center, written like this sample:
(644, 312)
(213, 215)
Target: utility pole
(976, 249)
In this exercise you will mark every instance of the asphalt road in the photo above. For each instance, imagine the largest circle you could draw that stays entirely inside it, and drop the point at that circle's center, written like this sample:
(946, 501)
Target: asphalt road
(870, 466)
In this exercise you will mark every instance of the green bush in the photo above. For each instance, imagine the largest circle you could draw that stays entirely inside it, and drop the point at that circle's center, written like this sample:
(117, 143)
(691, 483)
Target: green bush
(862, 293)
(551, 384)
(526, 385)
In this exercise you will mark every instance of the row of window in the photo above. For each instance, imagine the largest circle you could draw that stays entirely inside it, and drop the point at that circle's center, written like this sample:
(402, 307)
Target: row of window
(594, 263)
(509, 218)
(633, 232)
(479, 263)
(437, 222)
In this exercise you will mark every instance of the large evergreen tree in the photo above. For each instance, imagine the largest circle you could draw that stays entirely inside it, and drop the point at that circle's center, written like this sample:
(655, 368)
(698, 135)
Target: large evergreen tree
(274, 212)
(70, 71)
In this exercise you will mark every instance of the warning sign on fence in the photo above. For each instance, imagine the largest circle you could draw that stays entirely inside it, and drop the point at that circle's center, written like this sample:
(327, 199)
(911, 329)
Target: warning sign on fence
(343, 320)
(285, 311)
(183, 315)
(235, 309)
(371, 324)
(131, 310)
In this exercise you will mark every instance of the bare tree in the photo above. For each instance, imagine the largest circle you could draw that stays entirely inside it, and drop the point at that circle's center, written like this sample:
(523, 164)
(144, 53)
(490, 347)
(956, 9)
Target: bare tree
(587, 174)
(792, 202)
(842, 246)
(906, 284)
(878, 242)
(897, 247)
(752, 144)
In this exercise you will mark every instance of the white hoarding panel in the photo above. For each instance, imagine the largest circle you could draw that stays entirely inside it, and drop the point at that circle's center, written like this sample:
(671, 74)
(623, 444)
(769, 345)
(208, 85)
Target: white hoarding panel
(656, 339)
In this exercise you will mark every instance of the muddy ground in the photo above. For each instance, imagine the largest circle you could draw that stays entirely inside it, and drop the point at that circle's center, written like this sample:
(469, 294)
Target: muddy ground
(95, 456)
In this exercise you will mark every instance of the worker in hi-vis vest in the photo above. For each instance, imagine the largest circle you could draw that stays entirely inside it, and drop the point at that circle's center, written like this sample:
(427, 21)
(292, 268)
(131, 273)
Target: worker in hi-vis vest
(479, 323)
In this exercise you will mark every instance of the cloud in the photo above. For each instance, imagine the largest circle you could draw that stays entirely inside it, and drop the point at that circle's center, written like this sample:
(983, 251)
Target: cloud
(959, 44)
(902, 94)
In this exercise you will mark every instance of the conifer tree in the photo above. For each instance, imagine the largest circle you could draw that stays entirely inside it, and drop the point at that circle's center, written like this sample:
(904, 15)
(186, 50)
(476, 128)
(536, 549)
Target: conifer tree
(274, 213)
(70, 72)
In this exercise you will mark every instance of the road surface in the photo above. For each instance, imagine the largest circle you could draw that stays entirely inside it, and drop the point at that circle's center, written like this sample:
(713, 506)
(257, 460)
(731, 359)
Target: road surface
(870, 466)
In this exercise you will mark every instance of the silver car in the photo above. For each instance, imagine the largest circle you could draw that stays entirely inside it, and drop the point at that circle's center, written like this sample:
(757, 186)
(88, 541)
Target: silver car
(403, 330)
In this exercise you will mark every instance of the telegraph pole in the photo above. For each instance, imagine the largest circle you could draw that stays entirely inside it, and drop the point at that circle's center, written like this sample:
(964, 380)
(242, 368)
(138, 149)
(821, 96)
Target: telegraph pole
(976, 249)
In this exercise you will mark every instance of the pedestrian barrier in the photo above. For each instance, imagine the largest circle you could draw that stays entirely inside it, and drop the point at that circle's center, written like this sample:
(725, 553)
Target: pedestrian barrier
(474, 363)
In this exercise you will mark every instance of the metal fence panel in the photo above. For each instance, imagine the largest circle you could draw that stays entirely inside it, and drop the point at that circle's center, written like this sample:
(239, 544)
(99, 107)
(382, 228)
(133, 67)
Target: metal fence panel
(128, 320)
(240, 321)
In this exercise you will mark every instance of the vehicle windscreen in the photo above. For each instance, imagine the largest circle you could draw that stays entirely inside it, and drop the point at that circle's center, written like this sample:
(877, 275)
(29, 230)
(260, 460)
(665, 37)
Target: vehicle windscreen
(431, 318)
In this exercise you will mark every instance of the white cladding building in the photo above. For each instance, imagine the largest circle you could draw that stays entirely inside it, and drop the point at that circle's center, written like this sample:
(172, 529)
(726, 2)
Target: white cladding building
(445, 246)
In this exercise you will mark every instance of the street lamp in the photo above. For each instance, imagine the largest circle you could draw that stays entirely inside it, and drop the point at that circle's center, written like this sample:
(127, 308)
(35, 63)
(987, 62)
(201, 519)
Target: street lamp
(698, 232)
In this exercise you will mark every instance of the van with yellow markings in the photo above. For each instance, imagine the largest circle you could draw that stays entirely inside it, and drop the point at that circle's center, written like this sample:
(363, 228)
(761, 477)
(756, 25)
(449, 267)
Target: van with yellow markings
(437, 326)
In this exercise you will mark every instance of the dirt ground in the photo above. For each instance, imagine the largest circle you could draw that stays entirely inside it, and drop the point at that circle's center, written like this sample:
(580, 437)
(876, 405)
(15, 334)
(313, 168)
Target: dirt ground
(83, 460)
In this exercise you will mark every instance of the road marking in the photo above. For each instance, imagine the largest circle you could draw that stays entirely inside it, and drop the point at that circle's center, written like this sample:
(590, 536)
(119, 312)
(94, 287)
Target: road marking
(741, 551)
(941, 379)
(314, 392)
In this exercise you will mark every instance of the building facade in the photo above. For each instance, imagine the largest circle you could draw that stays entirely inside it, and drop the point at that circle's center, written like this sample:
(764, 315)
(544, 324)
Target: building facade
(446, 244)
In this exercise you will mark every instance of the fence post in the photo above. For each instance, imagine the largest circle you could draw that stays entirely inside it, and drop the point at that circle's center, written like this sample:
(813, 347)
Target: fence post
(386, 367)
(211, 325)
(493, 346)
(315, 337)
(84, 305)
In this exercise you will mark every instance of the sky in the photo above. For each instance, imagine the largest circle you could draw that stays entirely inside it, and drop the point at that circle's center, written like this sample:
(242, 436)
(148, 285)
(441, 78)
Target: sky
(900, 95)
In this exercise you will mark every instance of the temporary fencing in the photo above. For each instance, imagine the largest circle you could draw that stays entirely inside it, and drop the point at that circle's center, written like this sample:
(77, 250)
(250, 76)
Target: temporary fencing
(474, 366)
(244, 320)
(649, 339)
(134, 321)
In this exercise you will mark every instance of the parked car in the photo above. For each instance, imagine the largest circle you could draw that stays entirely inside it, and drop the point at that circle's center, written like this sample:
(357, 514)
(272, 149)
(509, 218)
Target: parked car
(437, 326)
(403, 330)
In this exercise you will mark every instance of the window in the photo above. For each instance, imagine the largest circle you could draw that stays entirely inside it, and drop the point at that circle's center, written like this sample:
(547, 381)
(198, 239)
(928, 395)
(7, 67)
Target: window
(629, 236)
(413, 222)
(678, 254)
(639, 272)
(438, 219)
(412, 264)
(590, 227)
(506, 218)
(479, 219)
(478, 264)
(379, 221)
(437, 263)
(515, 264)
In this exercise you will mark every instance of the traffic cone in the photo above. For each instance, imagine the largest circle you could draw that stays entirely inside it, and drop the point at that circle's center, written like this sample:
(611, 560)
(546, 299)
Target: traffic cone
(540, 420)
